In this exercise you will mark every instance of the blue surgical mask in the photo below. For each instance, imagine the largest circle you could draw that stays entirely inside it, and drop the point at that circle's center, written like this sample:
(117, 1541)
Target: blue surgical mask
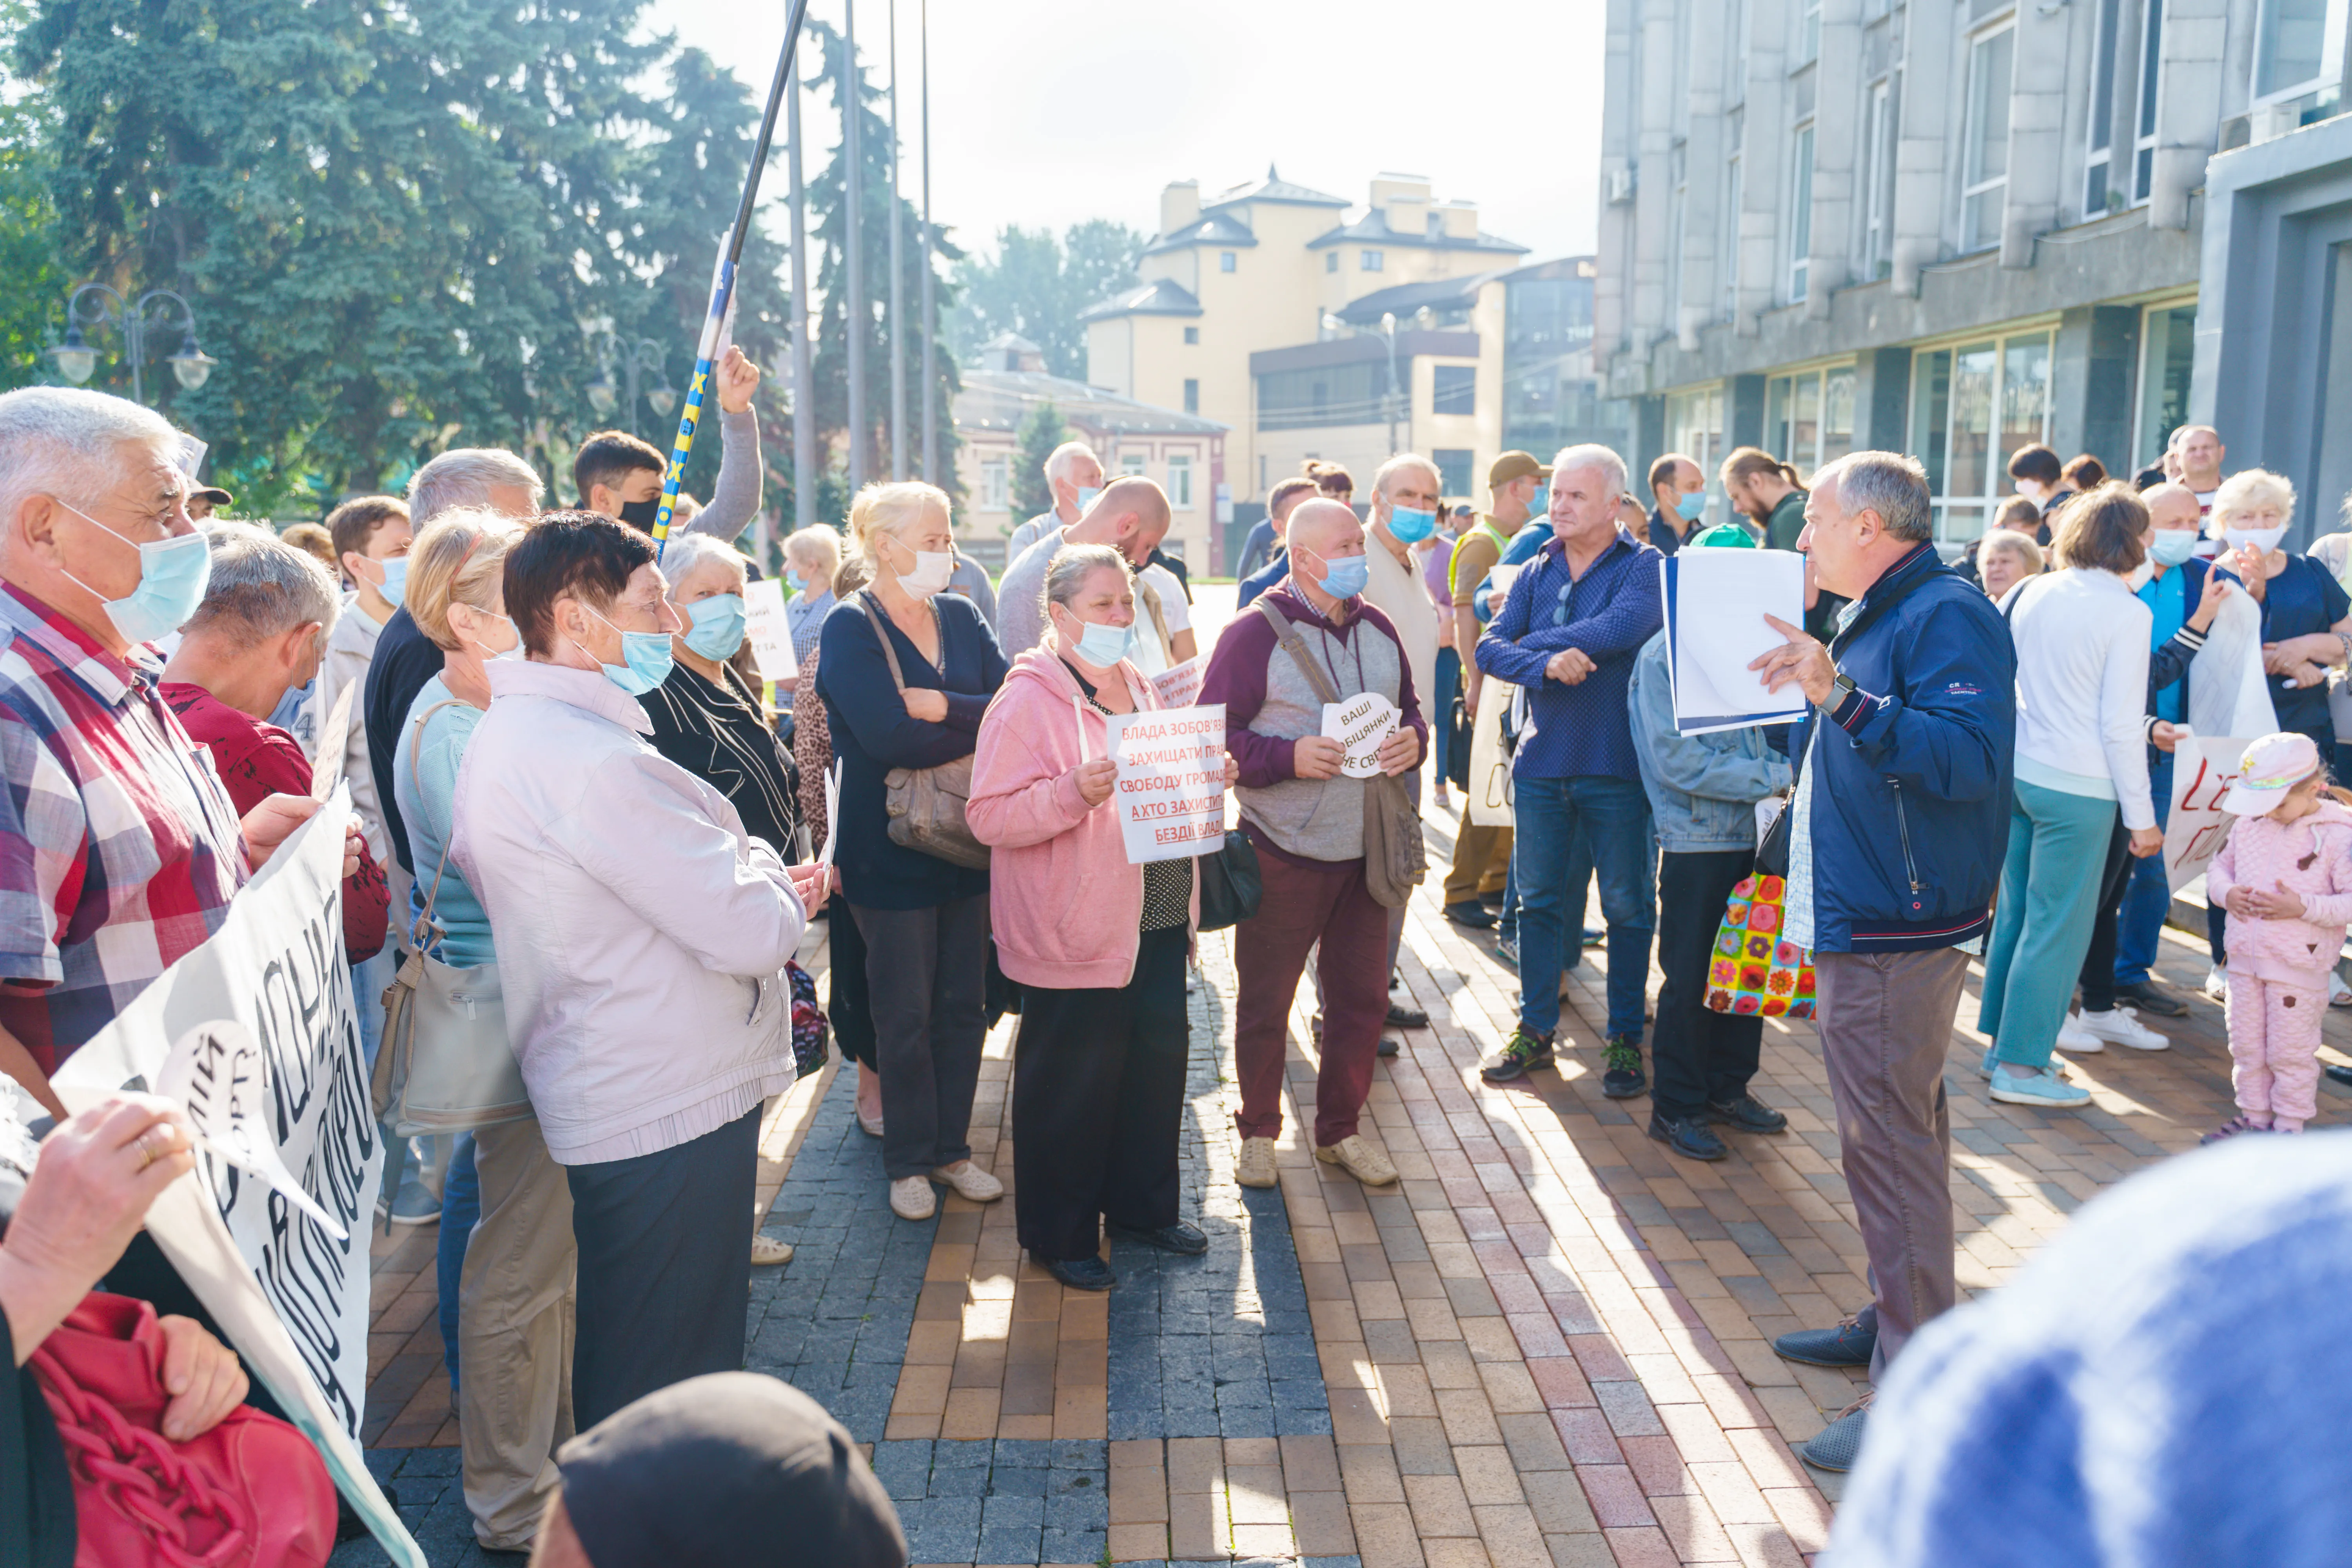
(1542, 502)
(1345, 578)
(395, 580)
(1408, 526)
(718, 628)
(1102, 646)
(172, 575)
(2171, 546)
(649, 661)
(1087, 494)
(798, 582)
(1692, 507)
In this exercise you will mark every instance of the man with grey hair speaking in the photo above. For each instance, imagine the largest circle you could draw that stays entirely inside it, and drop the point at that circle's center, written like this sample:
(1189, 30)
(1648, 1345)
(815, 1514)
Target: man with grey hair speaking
(1895, 839)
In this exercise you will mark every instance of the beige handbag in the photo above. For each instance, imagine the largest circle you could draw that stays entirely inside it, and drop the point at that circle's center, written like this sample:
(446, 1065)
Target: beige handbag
(445, 1064)
(1396, 857)
(926, 805)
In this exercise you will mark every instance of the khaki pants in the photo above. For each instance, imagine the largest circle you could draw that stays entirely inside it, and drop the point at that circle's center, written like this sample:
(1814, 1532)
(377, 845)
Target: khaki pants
(515, 1334)
(1481, 857)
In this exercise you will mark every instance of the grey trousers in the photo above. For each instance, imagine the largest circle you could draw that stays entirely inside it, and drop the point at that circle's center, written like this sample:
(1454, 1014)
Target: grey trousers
(928, 972)
(1885, 1021)
(515, 1334)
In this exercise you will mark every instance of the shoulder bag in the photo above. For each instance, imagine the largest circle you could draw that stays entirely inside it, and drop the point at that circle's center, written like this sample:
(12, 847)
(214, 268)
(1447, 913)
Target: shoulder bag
(1231, 883)
(445, 1064)
(1395, 857)
(926, 805)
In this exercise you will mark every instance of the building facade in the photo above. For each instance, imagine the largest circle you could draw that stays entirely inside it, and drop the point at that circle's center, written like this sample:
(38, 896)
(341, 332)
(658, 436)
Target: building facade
(1948, 229)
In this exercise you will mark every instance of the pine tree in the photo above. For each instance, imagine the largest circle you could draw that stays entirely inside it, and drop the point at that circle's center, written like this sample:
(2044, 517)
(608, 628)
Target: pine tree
(1040, 433)
(33, 298)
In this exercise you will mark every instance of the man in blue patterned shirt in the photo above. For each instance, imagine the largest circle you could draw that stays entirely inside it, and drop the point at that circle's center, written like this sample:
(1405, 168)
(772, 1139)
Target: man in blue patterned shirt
(1577, 616)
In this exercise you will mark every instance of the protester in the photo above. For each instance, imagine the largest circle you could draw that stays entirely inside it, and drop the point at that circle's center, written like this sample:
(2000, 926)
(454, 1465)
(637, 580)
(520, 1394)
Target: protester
(1482, 853)
(2285, 873)
(641, 933)
(913, 701)
(1098, 1064)
(1432, 561)
(372, 535)
(2020, 515)
(2197, 452)
(970, 579)
(1306, 820)
(1403, 512)
(2006, 559)
(1576, 617)
(621, 476)
(692, 1476)
(1281, 501)
(1702, 790)
(315, 541)
(705, 719)
(1919, 694)
(97, 558)
(2037, 476)
(205, 501)
(811, 561)
(1131, 516)
(1073, 476)
(260, 633)
(1678, 500)
(1766, 491)
(1330, 479)
(2081, 651)
(2084, 473)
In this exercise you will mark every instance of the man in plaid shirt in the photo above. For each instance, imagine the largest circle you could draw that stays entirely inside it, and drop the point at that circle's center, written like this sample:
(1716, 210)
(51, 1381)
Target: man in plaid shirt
(119, 847)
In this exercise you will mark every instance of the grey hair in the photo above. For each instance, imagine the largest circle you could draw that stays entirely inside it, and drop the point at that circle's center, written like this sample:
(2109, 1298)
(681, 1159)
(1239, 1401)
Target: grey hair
(1592, 455)
(1398, 464)
(685, 552)
(465, 477)
(261, 587)
(1072, 564)
(1059, 461)
(817, 540)
(64, 441)
(1888, 483)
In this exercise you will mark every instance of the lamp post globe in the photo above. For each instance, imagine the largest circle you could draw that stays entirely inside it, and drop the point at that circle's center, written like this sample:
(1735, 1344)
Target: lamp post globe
(76, 360)
(191, 365)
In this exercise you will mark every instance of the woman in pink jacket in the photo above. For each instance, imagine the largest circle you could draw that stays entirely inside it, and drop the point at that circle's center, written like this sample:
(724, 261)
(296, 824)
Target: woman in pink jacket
(1097, 945)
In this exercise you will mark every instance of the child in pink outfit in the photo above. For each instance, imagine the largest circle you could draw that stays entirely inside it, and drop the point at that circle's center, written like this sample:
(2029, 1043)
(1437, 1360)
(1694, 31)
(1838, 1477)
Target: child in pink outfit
(2285, 876)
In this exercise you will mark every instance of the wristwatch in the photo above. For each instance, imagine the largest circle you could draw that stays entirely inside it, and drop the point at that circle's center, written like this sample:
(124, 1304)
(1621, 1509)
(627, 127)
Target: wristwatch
(1840, 690)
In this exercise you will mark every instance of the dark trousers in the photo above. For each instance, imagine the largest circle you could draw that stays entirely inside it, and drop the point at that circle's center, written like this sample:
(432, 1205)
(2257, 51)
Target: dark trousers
(1305, 902)
(846, 1007)
(1697, 1055)
(1098, 1094)
(927, 979)
(664, 1288)
(2098, 976)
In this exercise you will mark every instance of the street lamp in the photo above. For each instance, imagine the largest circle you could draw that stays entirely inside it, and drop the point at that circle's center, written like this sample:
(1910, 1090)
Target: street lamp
(78, 362)
(645, 355)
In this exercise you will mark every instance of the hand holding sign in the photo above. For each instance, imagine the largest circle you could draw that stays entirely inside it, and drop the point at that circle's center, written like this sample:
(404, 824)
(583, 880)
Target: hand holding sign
(1095, 779)
(1361, 725)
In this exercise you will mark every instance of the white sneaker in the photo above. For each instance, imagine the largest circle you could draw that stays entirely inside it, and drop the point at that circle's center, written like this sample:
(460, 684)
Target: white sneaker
(2338, 994)
(969, 1182)
(2217, 984)
(911, 1198)
(1256, 1166)
(2073, 1036)
(767, 1251)
(2122, 1026)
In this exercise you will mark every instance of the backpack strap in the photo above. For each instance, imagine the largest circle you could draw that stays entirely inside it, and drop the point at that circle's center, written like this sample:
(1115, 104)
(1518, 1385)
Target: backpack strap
(416, 776)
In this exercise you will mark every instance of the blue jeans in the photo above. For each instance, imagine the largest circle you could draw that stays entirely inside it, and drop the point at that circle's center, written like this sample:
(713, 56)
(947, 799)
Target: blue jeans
(461, 1206)
(1565, 825)
(1440, 708)
(2148, 893)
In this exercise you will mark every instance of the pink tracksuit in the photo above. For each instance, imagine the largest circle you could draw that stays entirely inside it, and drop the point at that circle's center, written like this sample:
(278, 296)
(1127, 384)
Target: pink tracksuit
(2278, 968)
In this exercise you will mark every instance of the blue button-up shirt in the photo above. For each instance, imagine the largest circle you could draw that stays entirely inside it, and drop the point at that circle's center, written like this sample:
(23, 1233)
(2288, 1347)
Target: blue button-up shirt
(1608, 613)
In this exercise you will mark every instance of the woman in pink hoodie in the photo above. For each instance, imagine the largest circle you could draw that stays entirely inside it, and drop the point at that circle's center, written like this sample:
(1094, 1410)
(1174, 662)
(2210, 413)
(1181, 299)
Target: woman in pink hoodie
(1097, 945)
(2285, 876)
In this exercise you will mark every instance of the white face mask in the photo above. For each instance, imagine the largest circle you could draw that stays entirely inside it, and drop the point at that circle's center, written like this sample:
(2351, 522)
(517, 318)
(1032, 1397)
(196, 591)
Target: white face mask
(2262, 539)
(932, 570)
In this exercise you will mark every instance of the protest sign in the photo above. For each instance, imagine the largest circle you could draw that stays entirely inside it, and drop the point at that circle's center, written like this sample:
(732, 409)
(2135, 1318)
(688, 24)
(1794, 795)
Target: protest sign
(289, 1292)
(327, 770)
(1716, 602)
(768, 631)
(1170, 789)
(1178, 686)
(1489, 790)
(2202, 772)
(1360, 725)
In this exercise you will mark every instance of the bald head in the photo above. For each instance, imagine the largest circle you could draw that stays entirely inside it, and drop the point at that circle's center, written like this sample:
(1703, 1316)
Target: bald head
(2201, 451)
(1324, 529)
(2171, 506)
(1131, 516)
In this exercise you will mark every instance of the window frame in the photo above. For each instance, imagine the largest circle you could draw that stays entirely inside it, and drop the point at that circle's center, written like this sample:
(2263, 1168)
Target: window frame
(1191, 395)
(1229, 261)
(1974, 184)
(1180, 481)
(1445, 379)
(1936, 447)
(2147, 101)
(2331, 57)
(1372, 261)
(2099, 191)
(1877, 206)
(1801, 210)
(995, 484)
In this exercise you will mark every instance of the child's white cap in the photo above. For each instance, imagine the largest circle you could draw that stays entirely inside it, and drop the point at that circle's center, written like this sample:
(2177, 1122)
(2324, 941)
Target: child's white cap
(2270, 767)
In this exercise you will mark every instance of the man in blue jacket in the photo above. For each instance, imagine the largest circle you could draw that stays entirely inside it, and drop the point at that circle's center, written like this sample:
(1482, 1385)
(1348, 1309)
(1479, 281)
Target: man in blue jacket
(1897, 835)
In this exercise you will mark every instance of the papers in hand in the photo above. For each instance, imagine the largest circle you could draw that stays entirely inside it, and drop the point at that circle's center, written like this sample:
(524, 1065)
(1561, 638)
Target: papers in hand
(768, 630)
(1716, 602)
(832, 776)
(1360, 725)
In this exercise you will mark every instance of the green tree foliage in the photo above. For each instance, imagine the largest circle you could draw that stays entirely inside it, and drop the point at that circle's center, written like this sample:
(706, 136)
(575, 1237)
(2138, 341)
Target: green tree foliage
(32, 279)
(1040, 433)
(1036, 285)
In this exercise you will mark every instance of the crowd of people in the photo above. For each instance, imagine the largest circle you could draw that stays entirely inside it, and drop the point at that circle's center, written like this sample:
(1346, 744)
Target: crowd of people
(580, 808)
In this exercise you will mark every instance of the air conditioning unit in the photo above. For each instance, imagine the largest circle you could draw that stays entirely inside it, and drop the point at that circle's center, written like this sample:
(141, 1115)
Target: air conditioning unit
(1619, 188)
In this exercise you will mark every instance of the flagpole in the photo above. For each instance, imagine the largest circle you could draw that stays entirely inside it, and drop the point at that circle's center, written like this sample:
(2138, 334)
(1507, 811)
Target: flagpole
(722, 290)
(858, 320)
(930, 303)
(898, 271)
(805, 464)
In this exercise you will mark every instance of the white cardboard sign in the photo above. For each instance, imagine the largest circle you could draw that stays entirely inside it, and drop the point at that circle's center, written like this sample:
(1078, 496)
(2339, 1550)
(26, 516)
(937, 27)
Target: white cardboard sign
(769, 631)
(1177, 687)
(1360, 725)
(2202, 772)
(1169, 790)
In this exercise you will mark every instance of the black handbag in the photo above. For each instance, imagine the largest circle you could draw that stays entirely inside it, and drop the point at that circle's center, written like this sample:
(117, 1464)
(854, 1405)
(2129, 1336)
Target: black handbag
(1461, 724)
(1231, 885)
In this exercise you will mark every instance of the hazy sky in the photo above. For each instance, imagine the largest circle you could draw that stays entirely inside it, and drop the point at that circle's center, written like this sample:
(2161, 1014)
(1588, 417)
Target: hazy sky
(1050, 111)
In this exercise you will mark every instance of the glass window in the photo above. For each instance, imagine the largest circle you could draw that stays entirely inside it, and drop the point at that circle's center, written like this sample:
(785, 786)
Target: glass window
(1694, 428)
(1180, 481)
(1191, 336)
(1877, 187)
(1454, 465)
(1457, 391)
(1931, 413)
(1837, 413)
(2151, 77)
(1971, 408)
(1809, 31)
(1191, 396)
(1985, 172)
(1227, 261)
(2101, 131)
(1973, 371)
(2298, 47)
(1800, 213)
(1330, 261)
(2024, 400)
(1369, 261)
(1776, 414)
(1133, 463)
(992, 484)
(2167, 348)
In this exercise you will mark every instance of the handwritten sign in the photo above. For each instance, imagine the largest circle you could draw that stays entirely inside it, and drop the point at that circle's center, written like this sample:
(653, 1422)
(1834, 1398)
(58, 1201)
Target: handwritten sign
(2202, 772)
(222, 1078)
(1169, 790)
(768, 630)
(1360, 725)
(1178, 686)
(326, 771)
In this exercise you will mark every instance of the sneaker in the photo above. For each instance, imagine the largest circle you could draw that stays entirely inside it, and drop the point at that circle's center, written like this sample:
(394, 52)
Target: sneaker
(2119, 1026)
(1595, 936)
(1622, 1077)
(2044, 1089)
(969, 1182)
(1747, 1114)
(1471, 913)
(415, 1205)
(1360, 1159)
(1081, 1273)
(1523, 1053)
(2338, 994)
(2336, 1072)
(911, 1198)
(2071, 1037)
(2217, 984)
(1182, 1238)
(1835, 1446)
(2231, 1128)
(1506, 950)
(1690, 1137)
(1404, 1016)
(2152, 999)
(1387, 1046)
(1848, 1344)
(767, 1251)
(1256, 1167)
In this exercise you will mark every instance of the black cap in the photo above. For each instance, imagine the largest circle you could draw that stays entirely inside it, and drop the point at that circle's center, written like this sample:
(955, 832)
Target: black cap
(732, 1468)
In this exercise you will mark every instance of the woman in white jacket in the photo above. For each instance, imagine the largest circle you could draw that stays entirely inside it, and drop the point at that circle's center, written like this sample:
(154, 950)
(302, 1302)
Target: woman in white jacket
(2082, 636)
(642, 933)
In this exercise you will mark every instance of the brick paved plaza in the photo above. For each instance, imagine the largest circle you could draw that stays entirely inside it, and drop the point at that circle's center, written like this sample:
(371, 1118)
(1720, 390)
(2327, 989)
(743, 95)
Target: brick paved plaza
(1548, 1343)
